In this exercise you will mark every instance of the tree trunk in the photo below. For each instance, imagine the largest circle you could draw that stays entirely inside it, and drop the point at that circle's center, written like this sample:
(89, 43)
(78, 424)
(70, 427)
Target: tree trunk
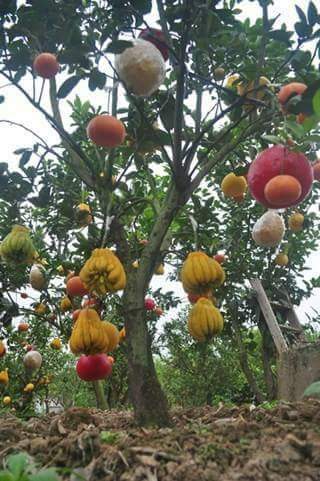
(267, 348)
(244, 363)
(100, 396)
(149, 402)
(146, 395)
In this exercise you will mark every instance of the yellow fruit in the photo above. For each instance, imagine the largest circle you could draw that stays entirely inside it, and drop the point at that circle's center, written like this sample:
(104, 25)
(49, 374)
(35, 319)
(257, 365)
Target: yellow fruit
(231, 80)
(122, 335)
(205, 320)
(3, 349)
(83, 215)
(56, 344)
(234, 185)
(17, 247)
(281, 259)
(37, 277)
(200, 272)
(135, 264)
(40, 309)
(6, 400)
(113, 335)
(65, 304)
(296, 222)
(4, 377)
(29, 387)
(103, 273)
(244, 88)
(60, 269)
(89, 336)
(160, 270)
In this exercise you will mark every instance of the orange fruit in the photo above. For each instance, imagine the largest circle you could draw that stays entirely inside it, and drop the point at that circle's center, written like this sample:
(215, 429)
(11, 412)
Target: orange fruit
(281, 259)
(23, 327)
(288, 91)
(282, 190)
(75, 287)
(106, 131)
(46, 65)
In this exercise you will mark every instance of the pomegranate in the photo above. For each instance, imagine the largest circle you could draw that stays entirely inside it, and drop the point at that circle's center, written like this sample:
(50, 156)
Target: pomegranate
(149, 304)
(93, 368)
(277, 161)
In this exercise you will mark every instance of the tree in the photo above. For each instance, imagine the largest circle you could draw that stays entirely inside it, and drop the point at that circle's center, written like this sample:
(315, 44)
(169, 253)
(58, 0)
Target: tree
(145, 188)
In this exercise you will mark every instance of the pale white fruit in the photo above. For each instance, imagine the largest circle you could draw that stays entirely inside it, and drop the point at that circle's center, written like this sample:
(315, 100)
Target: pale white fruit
(32, 360)
(269, 230)
(37, 277)
(141, 67)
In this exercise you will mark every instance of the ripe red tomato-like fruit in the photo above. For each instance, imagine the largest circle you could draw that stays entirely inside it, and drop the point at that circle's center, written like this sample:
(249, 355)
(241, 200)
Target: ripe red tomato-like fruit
(219, 258)
(46, 65)
(75, 287)
(275, 161)
(157, 38)
(94, 368)
(149, 304)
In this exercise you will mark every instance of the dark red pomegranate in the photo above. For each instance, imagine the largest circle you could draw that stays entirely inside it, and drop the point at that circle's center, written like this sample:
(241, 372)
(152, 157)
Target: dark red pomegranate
(157, 38)
(93, 368)
(275, 161)
(149, 304)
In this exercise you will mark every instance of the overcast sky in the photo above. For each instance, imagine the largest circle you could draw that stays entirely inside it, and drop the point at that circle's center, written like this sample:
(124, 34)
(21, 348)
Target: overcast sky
(17, 109)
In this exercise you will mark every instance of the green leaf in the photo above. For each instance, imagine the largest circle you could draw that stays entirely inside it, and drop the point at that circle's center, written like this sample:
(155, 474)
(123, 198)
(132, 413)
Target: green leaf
(17, 463)
(297, 129)
(301, 14)
(167, 112)
(25, 157)
(45, 475)
(97, 80)
(316, 102)
(273, 139)
(281, 36)
(303, 30)
(109, 437)
(312, 14)
(68, 86)
(118, 46)
(6, 476)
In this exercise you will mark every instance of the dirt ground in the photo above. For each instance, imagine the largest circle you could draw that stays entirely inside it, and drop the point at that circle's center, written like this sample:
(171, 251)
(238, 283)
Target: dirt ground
(204, 444)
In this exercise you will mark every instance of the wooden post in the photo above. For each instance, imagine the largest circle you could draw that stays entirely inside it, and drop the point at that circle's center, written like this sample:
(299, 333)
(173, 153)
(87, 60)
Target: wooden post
(269, 316)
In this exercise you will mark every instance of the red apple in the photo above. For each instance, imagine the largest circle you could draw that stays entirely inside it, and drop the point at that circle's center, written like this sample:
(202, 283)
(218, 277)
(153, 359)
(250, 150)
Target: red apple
(149, 304)
(93, 368)
(274, 161)
(219, 258)
(75, 287)
(157, 38)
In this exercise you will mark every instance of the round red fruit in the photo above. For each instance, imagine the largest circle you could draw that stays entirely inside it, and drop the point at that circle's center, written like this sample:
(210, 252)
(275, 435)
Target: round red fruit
(149, 304)
(46, 65)
(158, 311)
(75, 287)
(276, 161)
(219, 258)
(94, 368)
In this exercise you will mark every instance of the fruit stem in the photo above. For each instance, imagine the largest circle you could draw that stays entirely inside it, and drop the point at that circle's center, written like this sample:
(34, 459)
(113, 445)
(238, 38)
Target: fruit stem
(100, 397)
